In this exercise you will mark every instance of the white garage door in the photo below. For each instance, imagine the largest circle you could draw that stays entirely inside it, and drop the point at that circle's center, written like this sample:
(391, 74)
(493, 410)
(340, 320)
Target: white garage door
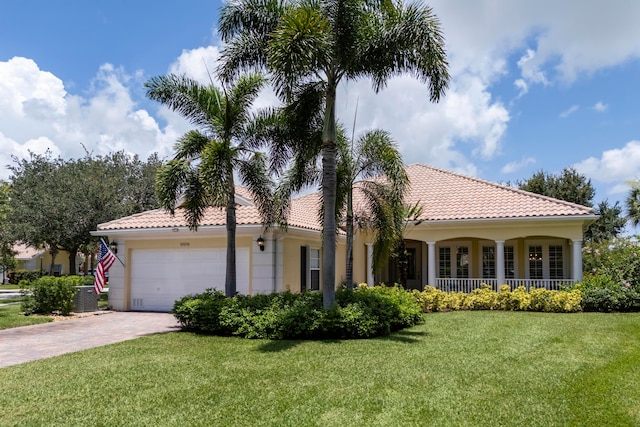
(159, 276)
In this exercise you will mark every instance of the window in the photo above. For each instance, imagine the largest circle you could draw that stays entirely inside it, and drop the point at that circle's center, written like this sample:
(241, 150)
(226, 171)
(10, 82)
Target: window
(314, 269)
(309, 269)
(462, 262)
(488, 262)
(535, 262)
(546, 260)
(509, 263)
(454, 262)
(445, 262)
(556, 268)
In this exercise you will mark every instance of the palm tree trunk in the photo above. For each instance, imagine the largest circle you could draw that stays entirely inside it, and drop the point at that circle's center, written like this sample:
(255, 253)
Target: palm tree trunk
(230, 278)
(349, 273)
(329, 183)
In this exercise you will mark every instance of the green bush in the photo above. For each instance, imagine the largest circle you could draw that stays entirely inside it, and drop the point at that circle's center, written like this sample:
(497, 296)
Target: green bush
(619, 260)
(51, 295)
(24, 277)
(601, 292)
(362, 313)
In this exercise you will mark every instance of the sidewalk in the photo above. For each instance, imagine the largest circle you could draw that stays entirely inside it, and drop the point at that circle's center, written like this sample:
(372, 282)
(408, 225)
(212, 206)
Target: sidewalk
(28, 343)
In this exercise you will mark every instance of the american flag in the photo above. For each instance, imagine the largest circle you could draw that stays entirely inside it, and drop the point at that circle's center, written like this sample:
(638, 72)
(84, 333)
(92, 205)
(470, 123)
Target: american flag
(106, 258)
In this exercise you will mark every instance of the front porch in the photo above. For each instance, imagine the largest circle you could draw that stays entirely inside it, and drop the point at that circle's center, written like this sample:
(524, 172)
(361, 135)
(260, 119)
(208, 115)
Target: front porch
(464, 264)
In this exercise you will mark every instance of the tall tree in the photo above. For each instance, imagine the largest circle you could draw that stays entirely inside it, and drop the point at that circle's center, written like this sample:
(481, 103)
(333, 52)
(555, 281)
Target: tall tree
(569, 186)
(319, 44)
(609, 224)
(202, 170)
(39, 217)
(633, 203)
(56, 203)
(7, 254)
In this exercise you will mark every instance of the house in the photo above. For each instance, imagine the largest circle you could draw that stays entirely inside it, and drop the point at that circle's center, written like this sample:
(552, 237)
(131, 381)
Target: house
(34, 259)
(470, 232)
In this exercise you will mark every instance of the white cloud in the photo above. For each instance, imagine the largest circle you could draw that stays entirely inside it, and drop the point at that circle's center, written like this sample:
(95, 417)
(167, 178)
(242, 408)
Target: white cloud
(566, 113)
(557, 42)
(516, 165)
(37, 114)
(199, 64)
(600, 107)
(615, 167)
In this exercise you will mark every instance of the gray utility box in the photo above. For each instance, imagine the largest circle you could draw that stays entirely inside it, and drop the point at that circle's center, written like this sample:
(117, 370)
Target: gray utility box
(85, 299)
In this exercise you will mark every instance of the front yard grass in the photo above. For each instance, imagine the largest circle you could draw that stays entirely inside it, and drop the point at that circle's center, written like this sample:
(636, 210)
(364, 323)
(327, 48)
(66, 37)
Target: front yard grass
(11, 317)
(457, 369)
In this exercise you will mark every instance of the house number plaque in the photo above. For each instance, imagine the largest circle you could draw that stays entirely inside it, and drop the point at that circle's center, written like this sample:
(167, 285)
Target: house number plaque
(184, 243)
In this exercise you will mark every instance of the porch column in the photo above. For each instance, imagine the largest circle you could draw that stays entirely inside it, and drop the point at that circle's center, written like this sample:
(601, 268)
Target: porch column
(499, 263)
(370, 264)
(431, 255)
(577, 260)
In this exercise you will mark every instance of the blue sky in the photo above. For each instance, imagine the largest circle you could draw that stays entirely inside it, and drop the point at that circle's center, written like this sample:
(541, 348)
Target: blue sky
(535, 85)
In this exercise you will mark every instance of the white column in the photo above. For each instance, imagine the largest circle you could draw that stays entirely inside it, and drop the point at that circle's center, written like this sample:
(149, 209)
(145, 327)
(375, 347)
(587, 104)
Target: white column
(500, 263)
(431, 252)
(577, 260)
(370, 264)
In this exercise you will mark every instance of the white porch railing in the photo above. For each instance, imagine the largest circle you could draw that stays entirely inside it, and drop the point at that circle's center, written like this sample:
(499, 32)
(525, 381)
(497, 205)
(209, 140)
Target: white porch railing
(468, 285)
(551, 284)
(463, 285)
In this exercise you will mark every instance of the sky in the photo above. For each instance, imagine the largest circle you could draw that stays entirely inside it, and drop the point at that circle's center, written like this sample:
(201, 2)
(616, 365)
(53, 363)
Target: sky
(534, 86)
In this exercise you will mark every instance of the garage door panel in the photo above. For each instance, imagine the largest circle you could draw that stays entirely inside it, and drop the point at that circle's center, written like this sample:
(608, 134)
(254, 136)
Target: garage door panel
(160, 276)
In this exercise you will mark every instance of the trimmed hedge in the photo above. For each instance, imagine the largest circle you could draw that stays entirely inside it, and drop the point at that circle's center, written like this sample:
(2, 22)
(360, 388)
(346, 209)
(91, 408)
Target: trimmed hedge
(485, 298)
(362, 313)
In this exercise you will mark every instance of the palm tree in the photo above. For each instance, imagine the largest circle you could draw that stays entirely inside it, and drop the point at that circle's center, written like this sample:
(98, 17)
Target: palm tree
(633, 203)
(202, 170)
(318, 44)
(374, 153)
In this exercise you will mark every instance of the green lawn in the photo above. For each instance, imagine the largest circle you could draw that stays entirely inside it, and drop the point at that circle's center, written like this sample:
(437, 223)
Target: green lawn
(457, 369)
(10, 317)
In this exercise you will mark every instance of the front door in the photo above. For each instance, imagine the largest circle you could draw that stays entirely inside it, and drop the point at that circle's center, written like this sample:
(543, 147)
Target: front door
(414, 272)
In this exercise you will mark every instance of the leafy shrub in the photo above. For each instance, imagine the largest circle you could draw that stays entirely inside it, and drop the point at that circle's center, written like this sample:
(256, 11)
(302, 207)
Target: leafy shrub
(484, 298)
(601, 292)
(24, 277)
(362, 313)
(200, 312)
(619, 260)
(51, 295)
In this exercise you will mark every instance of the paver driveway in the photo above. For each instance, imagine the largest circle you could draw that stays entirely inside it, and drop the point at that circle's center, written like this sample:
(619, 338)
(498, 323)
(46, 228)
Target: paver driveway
(27, 343)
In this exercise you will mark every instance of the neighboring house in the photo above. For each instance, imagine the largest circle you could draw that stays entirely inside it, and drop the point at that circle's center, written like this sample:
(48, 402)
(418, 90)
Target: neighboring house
(471, 232)
(34, 259)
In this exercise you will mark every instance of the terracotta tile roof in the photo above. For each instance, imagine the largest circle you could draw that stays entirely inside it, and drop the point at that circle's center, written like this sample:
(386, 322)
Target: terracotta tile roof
(444, 196)
(302, 216)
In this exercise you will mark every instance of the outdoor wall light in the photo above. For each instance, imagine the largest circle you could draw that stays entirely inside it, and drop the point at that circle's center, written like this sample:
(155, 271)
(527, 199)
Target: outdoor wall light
(260, 243)
(114, 247)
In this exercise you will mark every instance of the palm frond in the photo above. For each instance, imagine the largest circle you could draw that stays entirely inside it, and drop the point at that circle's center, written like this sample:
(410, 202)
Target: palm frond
(404, 39)
(171, 180)
(190, 145)
(239, 99)
(254, 175)
(201, 105)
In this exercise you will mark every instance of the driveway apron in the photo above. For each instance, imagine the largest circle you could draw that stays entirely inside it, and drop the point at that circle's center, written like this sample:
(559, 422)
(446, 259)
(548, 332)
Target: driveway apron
(28, 343)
